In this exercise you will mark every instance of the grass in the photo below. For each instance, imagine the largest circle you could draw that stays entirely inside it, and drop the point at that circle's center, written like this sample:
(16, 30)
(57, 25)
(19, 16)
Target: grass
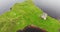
(26, 13)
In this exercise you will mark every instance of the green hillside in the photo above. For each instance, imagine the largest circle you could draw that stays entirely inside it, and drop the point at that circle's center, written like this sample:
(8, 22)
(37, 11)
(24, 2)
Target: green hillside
(26, 13)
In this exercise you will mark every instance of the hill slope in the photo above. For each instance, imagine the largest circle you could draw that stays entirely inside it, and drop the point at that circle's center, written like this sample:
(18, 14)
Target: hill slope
(23, 14)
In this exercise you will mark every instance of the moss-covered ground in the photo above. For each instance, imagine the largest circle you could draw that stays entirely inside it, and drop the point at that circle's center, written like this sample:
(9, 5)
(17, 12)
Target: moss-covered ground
(26, 13)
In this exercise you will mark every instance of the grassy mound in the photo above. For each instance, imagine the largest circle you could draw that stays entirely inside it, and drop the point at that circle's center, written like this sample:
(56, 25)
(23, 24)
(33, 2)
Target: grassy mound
(23, 14)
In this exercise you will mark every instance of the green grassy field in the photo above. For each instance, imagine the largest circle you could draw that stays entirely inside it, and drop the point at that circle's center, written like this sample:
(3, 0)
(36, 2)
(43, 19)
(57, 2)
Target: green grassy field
(26, 13)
